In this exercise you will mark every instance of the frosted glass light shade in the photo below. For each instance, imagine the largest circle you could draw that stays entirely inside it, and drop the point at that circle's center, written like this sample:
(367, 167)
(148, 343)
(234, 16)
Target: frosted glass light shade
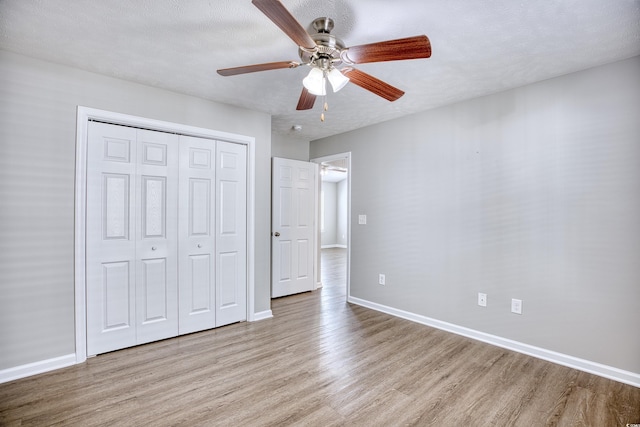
(337, 79)
(314, 82)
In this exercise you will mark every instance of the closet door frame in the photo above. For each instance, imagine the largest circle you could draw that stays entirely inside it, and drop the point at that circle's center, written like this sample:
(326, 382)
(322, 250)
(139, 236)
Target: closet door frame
(86, 114)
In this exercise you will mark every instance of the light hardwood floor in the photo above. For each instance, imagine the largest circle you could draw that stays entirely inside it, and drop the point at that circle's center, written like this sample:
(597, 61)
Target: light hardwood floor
(318, 362)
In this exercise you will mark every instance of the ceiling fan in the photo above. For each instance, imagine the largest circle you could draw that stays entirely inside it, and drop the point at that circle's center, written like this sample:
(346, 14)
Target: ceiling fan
(324, 52)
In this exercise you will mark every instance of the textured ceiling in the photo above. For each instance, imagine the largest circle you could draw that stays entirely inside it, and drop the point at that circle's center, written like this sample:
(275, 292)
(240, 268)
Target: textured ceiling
(478, 48)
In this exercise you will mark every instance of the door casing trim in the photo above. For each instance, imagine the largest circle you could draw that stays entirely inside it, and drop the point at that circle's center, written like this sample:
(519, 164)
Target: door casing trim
(316, 263)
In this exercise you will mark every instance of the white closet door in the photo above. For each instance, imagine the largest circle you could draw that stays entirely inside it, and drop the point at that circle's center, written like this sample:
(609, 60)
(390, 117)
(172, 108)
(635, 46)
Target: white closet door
(132, 276)
(197, 234)
(231, 233)
(111, 245)
(157, 230)
(166, 235)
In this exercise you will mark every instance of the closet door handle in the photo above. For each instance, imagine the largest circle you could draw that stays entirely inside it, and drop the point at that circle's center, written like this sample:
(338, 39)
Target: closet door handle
(153, 248)
(277, 234)
(199, 245)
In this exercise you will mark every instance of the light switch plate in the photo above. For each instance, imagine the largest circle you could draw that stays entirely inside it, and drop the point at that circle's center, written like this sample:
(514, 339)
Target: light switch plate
(516, 306)
(362, 219)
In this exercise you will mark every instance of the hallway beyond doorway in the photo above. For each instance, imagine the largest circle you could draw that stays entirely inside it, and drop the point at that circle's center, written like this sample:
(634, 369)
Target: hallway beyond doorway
(333, 266)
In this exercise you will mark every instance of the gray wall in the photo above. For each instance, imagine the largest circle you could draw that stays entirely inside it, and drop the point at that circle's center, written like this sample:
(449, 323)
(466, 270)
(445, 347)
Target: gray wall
(38, 103)
(290, 147)
(532, 193)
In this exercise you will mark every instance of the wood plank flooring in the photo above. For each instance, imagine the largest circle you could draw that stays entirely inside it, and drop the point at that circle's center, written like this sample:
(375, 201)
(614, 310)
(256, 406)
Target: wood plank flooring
(318, 362)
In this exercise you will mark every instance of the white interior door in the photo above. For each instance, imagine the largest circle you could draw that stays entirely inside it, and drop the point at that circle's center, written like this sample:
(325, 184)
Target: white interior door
(196, 231)
(293, 232)
(231, 233)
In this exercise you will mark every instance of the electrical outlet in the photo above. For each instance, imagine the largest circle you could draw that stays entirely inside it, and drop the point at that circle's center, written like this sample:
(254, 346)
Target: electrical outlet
(482, 299)
(516, 306)
(381, 279)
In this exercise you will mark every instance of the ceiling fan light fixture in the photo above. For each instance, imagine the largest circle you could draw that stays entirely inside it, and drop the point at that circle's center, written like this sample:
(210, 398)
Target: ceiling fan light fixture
(323, 52)
(315, 82)
(337, 79)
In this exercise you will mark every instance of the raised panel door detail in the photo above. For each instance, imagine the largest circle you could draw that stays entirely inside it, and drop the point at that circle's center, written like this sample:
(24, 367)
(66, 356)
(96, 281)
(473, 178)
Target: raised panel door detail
(303, 174)
(115, 206)
(228, 160)
(154, 198)
(284, 215)
(155, 289)
(116, 288)
(199, 285)
(303, 257)
(284, 250)
(199, 158)
(154, 154)
(284, 174)
(117, 150)
(199, 207)
(303, 211)
(228, 267)
(228, 203)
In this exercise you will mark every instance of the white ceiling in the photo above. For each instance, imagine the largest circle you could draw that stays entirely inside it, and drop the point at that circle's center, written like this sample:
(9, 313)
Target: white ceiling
(479, 47)
(333, 176)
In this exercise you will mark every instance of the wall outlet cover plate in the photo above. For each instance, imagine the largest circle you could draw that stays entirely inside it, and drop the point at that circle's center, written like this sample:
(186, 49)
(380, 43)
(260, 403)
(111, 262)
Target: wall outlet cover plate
(482, 299)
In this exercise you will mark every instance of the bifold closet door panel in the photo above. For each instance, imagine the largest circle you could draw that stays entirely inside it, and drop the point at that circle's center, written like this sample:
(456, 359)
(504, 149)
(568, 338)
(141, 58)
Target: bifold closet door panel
(156, 236)
(197, 234)
(131, 259)
(110, 246)
(231, 233)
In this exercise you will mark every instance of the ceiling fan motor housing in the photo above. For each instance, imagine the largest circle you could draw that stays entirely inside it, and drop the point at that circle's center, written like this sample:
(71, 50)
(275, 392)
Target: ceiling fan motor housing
(328, 48)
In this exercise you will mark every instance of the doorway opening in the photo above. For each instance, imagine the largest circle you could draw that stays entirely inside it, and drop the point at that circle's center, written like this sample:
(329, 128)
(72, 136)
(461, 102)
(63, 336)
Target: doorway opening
(333, 230)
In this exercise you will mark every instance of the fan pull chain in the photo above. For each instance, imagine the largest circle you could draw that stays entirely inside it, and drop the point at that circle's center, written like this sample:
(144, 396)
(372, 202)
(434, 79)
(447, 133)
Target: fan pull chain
(325, 107)
(324, 97)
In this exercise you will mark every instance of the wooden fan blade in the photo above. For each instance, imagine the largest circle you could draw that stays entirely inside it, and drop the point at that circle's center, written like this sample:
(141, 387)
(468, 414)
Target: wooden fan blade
(275, 10)
(306, 100)
(257, 67)
(372, 84)
(390, 50)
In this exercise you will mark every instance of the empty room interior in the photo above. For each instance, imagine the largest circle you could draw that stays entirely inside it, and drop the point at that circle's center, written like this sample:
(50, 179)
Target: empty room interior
(347, 212)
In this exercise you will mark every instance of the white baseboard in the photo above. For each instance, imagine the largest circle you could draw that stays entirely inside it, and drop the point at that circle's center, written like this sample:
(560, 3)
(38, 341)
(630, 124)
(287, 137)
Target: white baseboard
(595, 368)
(262, 315)
(34, 368)
(333, 246)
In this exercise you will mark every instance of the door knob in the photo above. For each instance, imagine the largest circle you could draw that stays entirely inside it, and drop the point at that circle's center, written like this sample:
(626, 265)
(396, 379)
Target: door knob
(199, 245)
(153, 248)
(277, 234)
